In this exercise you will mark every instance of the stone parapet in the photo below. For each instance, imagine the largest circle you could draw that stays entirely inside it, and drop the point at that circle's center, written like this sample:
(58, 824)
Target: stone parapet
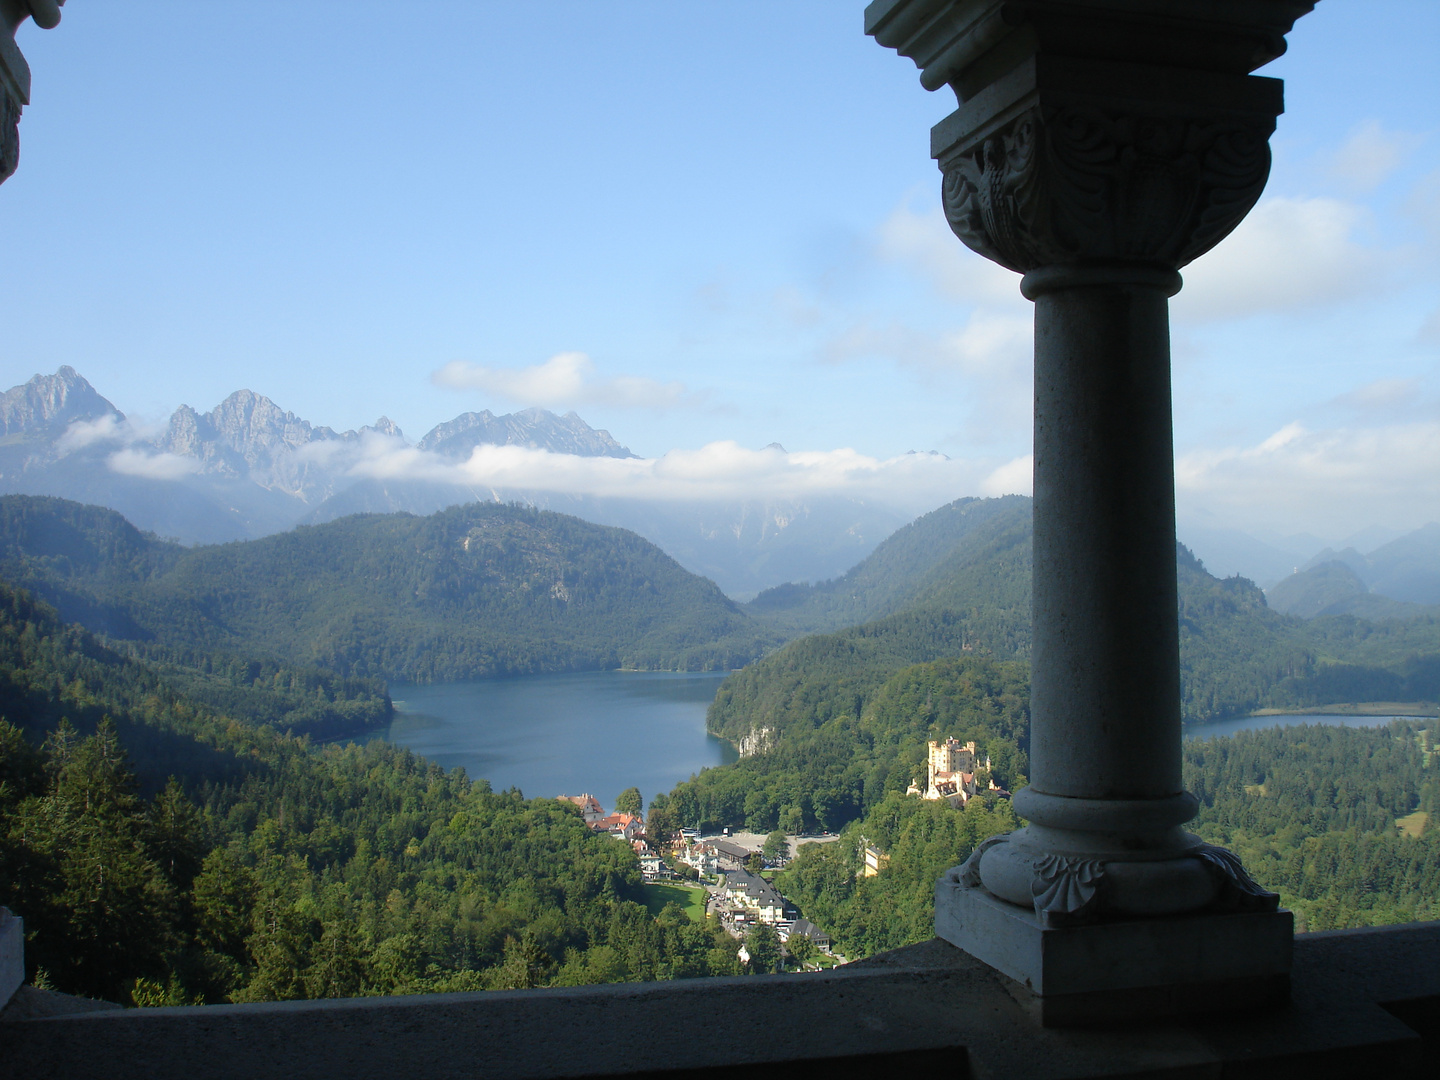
(1362, 1001)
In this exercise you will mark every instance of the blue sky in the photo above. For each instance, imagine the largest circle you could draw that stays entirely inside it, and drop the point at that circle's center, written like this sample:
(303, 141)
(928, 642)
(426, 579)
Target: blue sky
(706, 227)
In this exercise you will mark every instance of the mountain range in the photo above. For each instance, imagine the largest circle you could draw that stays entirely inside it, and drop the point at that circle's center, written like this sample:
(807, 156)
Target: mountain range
(1397, 580)
(493, 589)
(474, 591)
(249, 468)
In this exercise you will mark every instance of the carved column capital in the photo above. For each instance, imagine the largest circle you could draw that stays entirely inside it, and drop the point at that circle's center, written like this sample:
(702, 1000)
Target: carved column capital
(1065, 183)
(9, 135)
(15, 72)
(1064, 161)
(14, 96)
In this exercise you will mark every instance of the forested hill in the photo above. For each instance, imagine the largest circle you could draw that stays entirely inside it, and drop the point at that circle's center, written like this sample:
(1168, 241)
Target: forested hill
(473, 591)
(957, 583)
(268, 869)
(970, 554)
(821, 738)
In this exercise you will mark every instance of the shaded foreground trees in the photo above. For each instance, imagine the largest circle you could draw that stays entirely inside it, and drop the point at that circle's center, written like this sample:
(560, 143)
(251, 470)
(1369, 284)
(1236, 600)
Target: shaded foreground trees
(273, 870)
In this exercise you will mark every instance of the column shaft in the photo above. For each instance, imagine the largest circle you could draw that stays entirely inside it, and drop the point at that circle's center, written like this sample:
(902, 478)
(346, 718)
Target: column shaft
(1105, 699)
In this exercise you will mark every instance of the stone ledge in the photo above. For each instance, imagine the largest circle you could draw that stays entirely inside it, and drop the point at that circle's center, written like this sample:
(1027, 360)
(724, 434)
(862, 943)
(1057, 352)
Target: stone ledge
(924, 1006)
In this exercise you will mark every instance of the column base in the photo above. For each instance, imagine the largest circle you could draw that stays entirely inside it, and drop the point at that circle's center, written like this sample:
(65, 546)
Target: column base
(1122, 970)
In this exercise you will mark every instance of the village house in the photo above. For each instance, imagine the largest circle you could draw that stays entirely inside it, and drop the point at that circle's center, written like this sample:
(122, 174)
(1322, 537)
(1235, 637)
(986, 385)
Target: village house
(728, 854)
(589, 806)
(803, 928)
(627, 827)
(875, 860)
(755, 894)
(697, 856)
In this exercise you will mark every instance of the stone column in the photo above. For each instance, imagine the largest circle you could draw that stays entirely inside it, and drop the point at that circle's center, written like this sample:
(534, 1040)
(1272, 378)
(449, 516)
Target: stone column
(15, 73)
(1100, 145)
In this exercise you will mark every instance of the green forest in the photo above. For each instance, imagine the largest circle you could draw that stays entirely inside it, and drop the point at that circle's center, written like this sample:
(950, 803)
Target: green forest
(475, 591)
(162, 851)
(179, 821)
(1311, 810)
(813, 706)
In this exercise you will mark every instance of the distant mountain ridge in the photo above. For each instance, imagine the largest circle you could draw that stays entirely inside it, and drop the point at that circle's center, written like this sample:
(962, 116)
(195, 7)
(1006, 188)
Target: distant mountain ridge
(471, 592)
(535, 428)
(249, 468)
(1407, 568)
(956, 582)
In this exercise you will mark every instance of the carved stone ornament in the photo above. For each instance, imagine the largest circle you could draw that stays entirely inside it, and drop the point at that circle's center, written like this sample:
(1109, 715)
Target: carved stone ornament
(1238, 890)
(1064, 183)
(1065, 888)
(968, 872)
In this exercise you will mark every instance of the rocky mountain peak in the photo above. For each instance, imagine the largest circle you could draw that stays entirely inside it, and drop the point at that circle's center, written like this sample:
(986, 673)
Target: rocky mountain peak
(384, 426)
(51, 403)
(258, 429)
(539, 429)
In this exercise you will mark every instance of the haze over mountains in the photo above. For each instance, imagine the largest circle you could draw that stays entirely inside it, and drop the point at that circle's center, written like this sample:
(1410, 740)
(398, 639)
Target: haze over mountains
(1396, 580)
(249, 468)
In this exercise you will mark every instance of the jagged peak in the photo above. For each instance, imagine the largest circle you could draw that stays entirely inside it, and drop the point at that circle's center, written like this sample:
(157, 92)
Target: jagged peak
(52, 401)
(384, 426)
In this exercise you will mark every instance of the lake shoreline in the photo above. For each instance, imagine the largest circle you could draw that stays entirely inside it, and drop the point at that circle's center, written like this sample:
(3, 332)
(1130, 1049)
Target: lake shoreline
(1425, 710)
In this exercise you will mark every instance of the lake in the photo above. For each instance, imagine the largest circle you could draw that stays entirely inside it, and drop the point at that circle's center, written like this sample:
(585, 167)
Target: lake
(604, 731)
(548, 735)
(1257, 723)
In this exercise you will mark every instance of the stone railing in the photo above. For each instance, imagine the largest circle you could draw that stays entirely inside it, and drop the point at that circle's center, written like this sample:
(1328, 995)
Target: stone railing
(1364, 1002)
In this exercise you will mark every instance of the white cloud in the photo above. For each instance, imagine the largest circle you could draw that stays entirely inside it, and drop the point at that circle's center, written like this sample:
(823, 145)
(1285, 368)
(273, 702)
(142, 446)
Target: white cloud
(109, 428)
(1300, 478)
(152, 466)
(1371, 155)
(718, 471)
(995, 344)
(1289, 254)
(989, 345)
(566, 380)
(991, 356)
(1013, 478)
(922, 240)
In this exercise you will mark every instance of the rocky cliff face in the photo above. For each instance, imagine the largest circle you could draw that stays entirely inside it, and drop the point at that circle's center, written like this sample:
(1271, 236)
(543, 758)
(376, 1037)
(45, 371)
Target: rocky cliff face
(248, 437)
(48, 404)
(539, 429)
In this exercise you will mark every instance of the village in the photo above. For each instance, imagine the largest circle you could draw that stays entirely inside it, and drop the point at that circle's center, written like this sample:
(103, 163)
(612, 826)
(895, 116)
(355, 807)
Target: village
(735, 870)
(729, 870)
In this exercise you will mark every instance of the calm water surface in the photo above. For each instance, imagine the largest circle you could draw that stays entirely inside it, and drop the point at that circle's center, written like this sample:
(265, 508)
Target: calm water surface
(597, 731)
(604, 731)
(1257, 723)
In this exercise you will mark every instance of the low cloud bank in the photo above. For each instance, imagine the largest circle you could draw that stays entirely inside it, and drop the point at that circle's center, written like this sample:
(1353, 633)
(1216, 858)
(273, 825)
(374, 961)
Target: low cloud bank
(152, 466)
(1303, 479)
(718, 471)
